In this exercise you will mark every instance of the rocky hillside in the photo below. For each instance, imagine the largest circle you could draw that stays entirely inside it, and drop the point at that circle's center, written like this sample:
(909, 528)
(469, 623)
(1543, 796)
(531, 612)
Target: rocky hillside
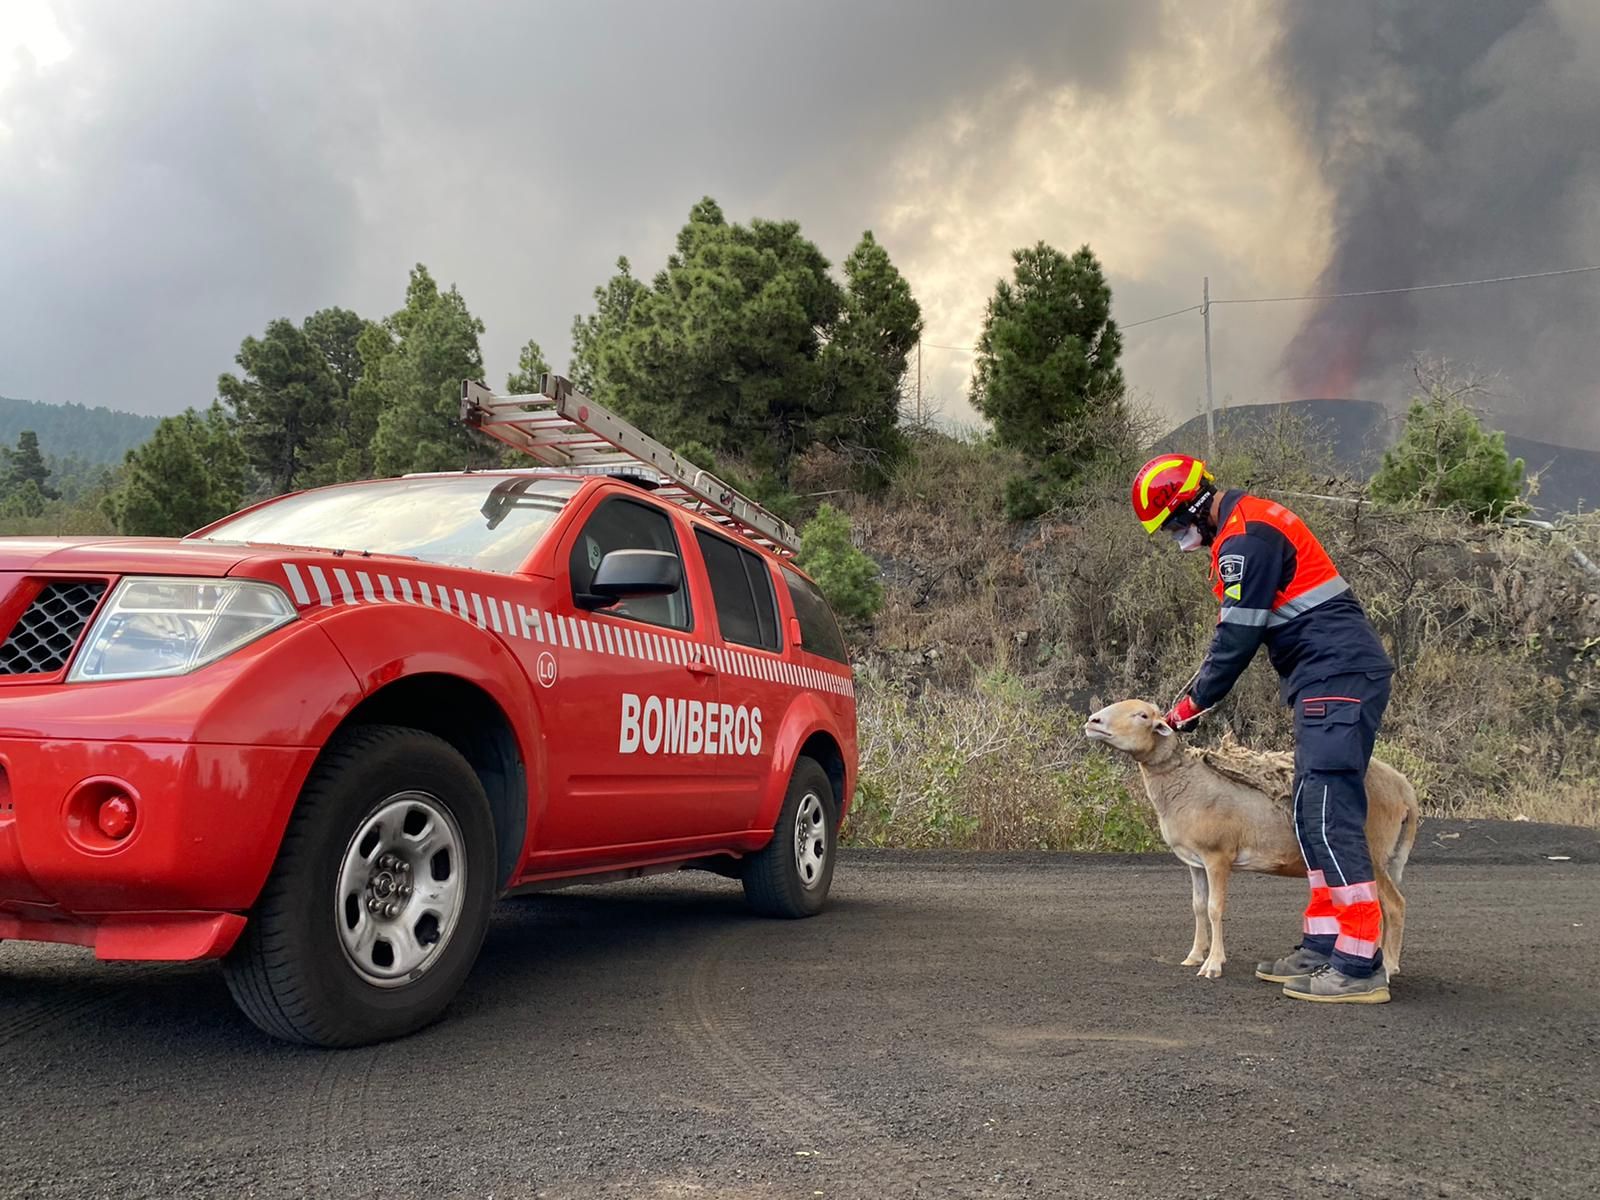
(997, 639)
(1355, 434)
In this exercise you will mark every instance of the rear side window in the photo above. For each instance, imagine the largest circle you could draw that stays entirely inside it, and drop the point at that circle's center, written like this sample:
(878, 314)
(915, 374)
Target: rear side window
(741, 587)
(819, 632)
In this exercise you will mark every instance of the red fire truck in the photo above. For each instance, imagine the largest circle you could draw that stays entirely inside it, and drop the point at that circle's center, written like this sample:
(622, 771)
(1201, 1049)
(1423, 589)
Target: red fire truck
(318, 739)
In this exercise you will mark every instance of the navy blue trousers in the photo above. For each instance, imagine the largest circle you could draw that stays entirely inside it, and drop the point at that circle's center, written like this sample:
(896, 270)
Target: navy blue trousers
(1335, 726)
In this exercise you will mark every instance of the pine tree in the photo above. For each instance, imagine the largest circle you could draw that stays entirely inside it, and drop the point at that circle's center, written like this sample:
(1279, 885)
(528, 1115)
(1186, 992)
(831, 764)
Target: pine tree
(530, 366)
(745, 344)
(1046, 374)
(25, 465)
(343, 449)
(865, 359)
(615, 309)
(284, 405)
(1446, 459)
(431, 346)
(190, 473)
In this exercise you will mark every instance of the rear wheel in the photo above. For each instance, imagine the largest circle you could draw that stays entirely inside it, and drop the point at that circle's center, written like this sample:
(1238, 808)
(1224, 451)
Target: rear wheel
(380, 898)
(791, 876)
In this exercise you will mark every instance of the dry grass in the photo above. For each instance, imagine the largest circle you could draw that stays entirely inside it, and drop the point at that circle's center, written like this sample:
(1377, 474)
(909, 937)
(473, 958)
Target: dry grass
(1496, 632)
(990, 768)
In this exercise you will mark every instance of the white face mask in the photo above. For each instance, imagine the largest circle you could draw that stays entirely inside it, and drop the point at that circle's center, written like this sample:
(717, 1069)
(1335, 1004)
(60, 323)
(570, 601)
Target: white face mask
(1190, 539)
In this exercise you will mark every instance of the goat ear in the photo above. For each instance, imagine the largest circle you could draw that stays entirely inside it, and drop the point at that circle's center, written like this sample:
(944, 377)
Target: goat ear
(1162, 728)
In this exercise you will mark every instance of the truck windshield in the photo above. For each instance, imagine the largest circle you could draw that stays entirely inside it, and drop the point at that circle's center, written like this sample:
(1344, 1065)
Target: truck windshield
(491, 522)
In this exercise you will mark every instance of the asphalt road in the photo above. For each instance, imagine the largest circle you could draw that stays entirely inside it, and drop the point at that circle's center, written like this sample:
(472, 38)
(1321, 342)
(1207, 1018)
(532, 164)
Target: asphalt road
(951, 1026)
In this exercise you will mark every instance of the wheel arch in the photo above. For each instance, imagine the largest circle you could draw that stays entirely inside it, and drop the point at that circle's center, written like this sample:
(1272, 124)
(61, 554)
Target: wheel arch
(823, 748)
(809, 731)
(473, 722)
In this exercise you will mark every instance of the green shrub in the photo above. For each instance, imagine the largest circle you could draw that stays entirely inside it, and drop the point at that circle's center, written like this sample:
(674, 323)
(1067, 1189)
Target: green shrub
(1446, 459)
(847, 577)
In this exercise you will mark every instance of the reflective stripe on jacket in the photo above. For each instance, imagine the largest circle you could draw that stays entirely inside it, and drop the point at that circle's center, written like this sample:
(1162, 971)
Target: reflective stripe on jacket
(1278, 586)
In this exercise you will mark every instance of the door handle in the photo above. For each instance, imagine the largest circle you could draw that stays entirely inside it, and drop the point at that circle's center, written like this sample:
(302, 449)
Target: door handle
(703, 669)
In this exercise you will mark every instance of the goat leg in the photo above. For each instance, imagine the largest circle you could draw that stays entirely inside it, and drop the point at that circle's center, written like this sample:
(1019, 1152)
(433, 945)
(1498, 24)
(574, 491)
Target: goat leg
(1202, 930)
(1394, 919)
(1216, 899)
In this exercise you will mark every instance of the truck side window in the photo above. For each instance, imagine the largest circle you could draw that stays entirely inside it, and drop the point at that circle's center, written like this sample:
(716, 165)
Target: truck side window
(620, 524)
(819, 632)
(741, 587)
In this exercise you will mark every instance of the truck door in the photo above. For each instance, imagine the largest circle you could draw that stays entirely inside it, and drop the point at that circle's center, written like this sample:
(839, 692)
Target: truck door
(750, 668)
(622, 770)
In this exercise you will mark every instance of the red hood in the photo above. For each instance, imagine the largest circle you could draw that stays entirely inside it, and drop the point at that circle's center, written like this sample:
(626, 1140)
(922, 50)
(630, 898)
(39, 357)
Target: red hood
(117, 556)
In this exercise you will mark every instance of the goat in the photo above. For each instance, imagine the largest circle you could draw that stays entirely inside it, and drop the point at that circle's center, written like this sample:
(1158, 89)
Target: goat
(1232, 810)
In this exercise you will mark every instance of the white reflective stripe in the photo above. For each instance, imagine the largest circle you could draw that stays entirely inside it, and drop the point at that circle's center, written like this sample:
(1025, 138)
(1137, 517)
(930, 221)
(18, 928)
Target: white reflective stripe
(386, 585)
(529, 619)
(344, 585)
(511, 620)
(461, 606)
(1253, 617)
(1332, 857)
(365, 581)
(1307, 600)
(477, 610)
(494, 614)
(296, 584)
(1354, 893)
(405, 590)
(1322, 925)
(1355, 947)
(320, 582)
(1316, 878)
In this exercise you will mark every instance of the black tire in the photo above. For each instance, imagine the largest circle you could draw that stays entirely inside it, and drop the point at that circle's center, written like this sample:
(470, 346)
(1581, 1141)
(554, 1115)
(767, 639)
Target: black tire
(774, 884)
(290, 972)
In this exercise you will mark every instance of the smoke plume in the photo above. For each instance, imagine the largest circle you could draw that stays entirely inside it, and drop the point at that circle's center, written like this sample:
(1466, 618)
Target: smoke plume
(1460, 141)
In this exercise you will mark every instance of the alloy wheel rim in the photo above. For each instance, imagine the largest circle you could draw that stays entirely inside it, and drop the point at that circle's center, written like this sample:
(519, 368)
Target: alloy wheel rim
(810, 840)
(401, 889)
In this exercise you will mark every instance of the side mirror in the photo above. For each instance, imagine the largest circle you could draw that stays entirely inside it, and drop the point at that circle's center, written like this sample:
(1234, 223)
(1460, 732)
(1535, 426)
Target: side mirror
(625, 573)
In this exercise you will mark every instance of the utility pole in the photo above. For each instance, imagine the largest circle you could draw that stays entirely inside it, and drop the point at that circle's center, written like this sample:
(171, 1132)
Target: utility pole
(919, 382)
(1205, 314)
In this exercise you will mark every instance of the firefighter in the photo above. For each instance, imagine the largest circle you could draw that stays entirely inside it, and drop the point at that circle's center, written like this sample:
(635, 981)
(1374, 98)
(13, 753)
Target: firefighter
(1278, 587)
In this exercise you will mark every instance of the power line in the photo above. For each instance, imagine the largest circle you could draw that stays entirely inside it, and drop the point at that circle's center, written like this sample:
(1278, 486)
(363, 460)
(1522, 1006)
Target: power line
(1178, 312)
(1421, 287)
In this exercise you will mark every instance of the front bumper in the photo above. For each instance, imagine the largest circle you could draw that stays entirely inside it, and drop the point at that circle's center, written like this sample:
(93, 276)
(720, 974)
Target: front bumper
(209, 819)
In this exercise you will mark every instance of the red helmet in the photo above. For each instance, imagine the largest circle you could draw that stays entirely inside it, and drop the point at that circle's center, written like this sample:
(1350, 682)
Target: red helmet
(1166, 484)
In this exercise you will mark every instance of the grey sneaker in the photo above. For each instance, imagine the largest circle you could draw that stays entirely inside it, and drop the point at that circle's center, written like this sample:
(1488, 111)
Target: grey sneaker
(1333, 987)
(1297, 963)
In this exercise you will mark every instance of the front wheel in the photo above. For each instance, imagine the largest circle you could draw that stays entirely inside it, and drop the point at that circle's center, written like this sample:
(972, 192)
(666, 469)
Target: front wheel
(380, 898)
(791, 876)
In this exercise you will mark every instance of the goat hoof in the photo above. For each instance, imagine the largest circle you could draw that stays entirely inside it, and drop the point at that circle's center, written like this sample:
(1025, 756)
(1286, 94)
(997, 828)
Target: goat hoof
(1210, 971)
(1194, 960)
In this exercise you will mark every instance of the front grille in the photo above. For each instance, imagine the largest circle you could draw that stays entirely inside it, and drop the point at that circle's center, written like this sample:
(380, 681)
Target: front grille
(42, 641)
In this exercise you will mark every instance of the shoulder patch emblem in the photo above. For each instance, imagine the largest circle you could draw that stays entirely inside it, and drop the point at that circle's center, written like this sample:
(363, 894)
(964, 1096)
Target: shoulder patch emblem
(1235, 592)
(1231, 568)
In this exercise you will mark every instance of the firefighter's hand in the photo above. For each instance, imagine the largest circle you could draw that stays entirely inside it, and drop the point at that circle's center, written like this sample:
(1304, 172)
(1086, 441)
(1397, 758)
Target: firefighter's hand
(1185, 715)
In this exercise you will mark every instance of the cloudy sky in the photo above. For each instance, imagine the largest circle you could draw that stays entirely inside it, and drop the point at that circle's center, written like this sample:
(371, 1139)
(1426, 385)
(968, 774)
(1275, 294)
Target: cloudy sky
(175, 174)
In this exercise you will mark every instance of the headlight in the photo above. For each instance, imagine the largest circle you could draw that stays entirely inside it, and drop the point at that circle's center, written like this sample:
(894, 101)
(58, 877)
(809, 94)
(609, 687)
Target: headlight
(153, 627)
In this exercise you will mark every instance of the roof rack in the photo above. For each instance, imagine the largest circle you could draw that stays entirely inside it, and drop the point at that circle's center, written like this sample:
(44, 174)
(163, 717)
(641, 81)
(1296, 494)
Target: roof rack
(566, 430)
